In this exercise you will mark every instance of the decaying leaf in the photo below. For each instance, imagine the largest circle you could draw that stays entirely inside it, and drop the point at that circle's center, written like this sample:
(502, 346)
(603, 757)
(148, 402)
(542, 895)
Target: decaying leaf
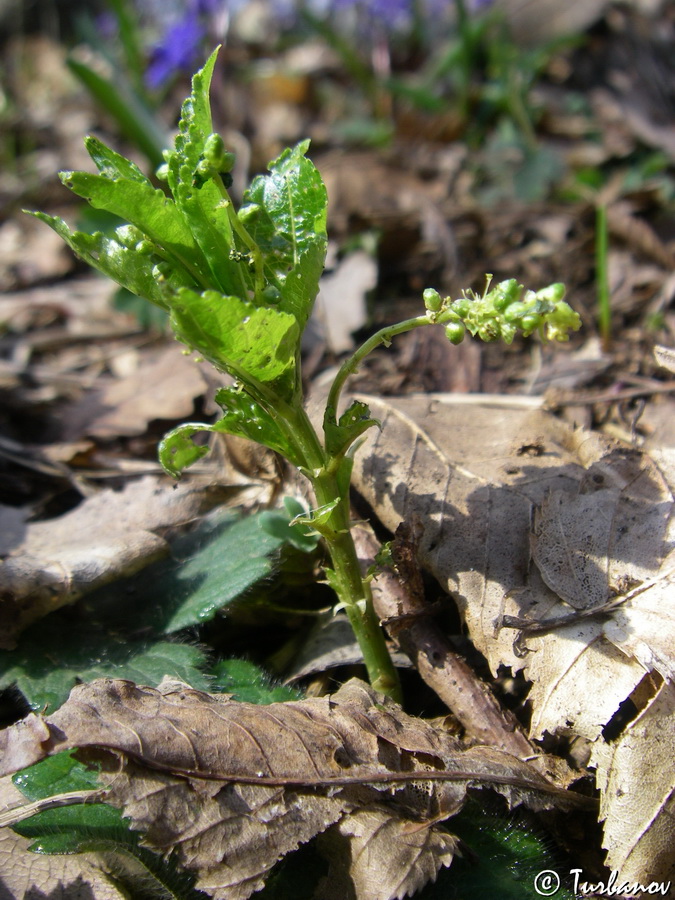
(162, 385)
(360, 851)
(111, 534)
(233, 787)
(27, 874)
(639, 835)
(602, 517)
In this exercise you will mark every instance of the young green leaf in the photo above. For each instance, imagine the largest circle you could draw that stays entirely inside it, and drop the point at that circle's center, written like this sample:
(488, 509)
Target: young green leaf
(285, 214)
(124, 265)
(111, 164)
(350, 426)
(256, 345)
(243, 418)
(203, 206)
(149, 209)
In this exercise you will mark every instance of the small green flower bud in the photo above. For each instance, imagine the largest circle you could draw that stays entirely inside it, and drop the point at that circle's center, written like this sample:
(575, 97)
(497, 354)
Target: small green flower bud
(516, 311)
(271, 294)
(530, 323)
(505, 293)
(162, 172)
(215, 154)
(162, 271)
(145, 248)
(129, 236)
(249, 213)
(455, 332)
(432, 300)
(461, 306)
(489, 331)
(554, 293)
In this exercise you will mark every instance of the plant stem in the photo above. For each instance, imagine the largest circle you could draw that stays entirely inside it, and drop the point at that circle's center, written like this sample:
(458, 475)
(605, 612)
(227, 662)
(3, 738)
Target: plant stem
(346, 579)
(351, 365)
(602, 277)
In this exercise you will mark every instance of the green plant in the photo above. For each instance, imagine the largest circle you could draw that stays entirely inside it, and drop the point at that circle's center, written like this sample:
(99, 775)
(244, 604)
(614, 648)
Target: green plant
(239, 288)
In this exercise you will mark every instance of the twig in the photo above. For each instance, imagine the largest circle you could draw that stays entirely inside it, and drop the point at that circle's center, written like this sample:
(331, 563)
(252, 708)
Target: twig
(74, 798)
(470, 699)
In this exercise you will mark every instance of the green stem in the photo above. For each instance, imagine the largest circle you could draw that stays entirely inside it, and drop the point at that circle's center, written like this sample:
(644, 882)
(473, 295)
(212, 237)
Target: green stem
(351, 365)
(602, 277)
(237, 225)
(354, 592)
(346, 579)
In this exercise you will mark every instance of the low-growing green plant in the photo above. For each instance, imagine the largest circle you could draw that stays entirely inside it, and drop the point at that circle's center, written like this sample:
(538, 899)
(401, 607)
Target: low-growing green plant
(239, 287)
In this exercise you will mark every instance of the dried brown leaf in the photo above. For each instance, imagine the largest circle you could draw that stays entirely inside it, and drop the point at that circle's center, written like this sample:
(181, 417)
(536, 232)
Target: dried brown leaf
(110, 534)
(603, 525)
(233, 786)
(363, 865)
(162, 386)
(639, 835)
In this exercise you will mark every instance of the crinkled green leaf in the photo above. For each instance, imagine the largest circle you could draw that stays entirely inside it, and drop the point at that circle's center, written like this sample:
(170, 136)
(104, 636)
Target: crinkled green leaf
(285, 213)
(350, 426)
(146, 207)
(111, 164)
(127, 267)
(55, 654)
(243, 418)
(248, 683)
(201, 205)
(255, 344)
(177, 451)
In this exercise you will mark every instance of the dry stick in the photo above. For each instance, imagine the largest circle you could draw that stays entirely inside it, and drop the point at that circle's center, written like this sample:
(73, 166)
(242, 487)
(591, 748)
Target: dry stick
(408, 621)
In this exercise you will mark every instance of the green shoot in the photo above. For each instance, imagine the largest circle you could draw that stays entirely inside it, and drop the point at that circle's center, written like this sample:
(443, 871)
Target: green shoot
(239, 287)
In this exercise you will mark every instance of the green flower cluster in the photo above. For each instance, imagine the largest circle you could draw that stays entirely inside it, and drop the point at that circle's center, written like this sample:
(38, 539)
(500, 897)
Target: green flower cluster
(502, 311)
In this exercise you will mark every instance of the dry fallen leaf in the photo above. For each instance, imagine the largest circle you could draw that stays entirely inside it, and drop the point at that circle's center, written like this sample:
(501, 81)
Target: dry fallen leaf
(476, 480)
(639, 835)
(162, 385)
(110, 534)
(24, 874)
(234, 787)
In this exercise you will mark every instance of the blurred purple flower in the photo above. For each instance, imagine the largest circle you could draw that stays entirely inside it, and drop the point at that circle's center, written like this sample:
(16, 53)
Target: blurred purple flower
(178, 51)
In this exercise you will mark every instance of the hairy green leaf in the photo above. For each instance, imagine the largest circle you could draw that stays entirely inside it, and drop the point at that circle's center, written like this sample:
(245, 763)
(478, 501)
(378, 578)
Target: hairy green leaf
(248, 683)
(97, 828)
(506, 852)
(284, 524)
(56, 654)
(238, 555)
